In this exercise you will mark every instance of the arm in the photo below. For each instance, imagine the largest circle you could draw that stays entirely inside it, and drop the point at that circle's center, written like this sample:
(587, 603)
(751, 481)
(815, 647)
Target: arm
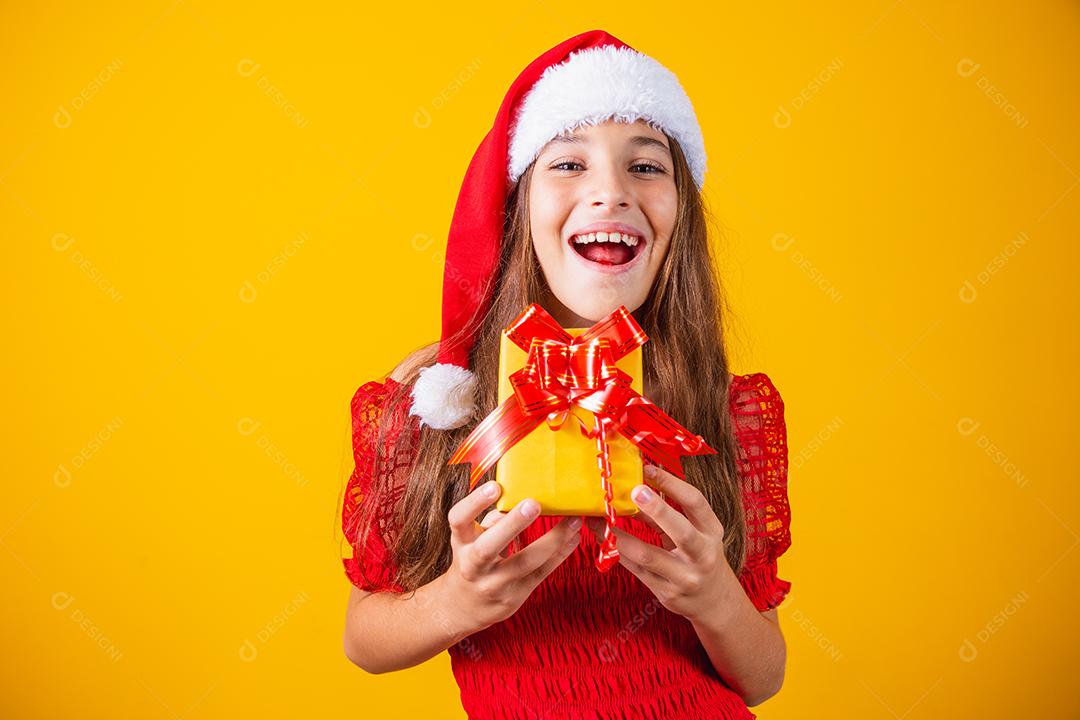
(745, 646)
(690, 576)
(387, 631)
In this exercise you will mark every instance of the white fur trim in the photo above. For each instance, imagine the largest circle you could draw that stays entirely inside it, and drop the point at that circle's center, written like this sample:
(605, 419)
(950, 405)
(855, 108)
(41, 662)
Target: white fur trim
(444, 396)
(598, 84)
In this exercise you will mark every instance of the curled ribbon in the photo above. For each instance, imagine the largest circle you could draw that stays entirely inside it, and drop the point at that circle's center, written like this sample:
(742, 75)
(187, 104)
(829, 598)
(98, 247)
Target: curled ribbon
(565, 372)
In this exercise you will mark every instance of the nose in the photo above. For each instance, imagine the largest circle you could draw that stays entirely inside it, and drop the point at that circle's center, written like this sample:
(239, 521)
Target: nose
(610, 189)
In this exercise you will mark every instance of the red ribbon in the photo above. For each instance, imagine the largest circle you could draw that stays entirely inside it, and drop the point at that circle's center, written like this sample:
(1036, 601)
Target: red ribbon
(563, 372)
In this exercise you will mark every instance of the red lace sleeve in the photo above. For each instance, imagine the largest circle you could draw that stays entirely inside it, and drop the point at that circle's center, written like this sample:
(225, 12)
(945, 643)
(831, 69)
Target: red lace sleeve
(758, 412)
(381, 457)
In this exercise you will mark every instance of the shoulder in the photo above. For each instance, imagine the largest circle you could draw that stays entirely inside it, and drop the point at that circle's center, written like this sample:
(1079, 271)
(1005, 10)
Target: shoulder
(761, 432)
(756, 406)
(373, 391)
(412, 363)
(756, 386)
(370, 397)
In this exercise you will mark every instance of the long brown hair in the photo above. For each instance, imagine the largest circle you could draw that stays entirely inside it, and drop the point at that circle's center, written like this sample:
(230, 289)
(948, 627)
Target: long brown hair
(683, 318)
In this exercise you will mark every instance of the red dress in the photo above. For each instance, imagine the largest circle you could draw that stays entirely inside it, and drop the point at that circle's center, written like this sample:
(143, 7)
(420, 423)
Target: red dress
(587, 644)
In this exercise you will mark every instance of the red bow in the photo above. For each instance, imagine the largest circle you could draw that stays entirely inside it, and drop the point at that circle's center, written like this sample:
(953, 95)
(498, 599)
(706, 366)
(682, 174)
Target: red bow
(562, 372)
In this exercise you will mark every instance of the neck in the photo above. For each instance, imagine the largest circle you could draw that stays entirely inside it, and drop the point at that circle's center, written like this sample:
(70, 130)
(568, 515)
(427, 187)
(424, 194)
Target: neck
(562, 314)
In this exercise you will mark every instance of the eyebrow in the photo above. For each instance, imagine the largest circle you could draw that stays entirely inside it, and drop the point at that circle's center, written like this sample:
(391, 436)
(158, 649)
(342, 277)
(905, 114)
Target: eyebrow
(636, 141)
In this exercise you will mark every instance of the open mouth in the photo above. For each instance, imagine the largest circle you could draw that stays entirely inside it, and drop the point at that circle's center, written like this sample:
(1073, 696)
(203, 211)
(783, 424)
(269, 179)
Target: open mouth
(608, 249)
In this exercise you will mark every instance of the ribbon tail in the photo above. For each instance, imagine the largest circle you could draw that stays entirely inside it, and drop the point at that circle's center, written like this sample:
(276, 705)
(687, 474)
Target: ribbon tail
(608, 555)
(658, 436)
(499, 431)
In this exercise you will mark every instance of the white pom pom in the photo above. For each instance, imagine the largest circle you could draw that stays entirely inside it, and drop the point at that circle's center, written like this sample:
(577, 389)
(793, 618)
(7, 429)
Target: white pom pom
(444, 396)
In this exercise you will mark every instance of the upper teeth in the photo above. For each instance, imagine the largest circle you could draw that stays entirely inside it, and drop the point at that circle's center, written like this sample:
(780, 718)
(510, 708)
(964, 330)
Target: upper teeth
(630, 240)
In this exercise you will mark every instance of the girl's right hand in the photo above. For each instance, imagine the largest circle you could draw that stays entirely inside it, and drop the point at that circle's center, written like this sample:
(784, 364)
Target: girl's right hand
(490, 584)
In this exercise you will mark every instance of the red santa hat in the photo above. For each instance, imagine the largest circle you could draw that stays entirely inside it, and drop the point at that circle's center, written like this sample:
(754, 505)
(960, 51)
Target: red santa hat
(590, 78)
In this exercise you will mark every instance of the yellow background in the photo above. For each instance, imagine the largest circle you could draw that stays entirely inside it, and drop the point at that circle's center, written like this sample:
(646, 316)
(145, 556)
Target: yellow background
(219, 222)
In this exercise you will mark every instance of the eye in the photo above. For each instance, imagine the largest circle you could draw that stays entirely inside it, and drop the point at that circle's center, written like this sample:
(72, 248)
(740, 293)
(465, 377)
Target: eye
(651, 168)
(647, 168)
(561, 163)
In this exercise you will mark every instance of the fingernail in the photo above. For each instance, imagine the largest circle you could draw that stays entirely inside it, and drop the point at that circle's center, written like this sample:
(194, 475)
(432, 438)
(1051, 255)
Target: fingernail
(650, 470)
(491, 488)
(575, 523)
(530, 508)
(642, 494)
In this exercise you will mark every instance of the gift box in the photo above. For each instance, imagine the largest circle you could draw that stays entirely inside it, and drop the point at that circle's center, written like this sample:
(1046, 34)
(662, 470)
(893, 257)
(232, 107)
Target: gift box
(571, 425)
(559, 468)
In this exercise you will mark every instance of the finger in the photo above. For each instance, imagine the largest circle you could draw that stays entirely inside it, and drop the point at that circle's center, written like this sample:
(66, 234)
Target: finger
(641, 555)
(596, 526)
(676, 525)
(545, 553)
(489, 546)
(688, 497)
(665, 542)
(644, 517)
(654, 582)
(491, 518)
(462, 516)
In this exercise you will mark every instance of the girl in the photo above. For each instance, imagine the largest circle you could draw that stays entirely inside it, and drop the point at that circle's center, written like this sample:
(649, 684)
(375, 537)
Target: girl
(584, 196)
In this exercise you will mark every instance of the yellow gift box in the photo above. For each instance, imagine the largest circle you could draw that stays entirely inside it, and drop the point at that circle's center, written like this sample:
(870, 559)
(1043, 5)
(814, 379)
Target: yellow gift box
(559, 468)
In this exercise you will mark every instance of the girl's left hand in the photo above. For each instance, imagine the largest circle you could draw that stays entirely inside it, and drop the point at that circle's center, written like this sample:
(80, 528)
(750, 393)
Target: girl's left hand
(690, 574)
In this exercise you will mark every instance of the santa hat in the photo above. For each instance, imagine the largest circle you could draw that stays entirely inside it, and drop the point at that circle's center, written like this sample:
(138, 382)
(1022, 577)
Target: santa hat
(589, 78)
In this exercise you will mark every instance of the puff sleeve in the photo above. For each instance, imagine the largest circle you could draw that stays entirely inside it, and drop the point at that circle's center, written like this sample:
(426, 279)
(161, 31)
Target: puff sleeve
(381, 452)
(758, 412)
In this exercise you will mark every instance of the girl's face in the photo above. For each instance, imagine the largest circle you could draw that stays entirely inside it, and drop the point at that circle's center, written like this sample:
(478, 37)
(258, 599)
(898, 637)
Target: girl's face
(616, 179)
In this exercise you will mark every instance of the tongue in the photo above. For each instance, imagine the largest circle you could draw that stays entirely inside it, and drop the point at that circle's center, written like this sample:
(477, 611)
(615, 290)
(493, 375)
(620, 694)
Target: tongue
(608, 253)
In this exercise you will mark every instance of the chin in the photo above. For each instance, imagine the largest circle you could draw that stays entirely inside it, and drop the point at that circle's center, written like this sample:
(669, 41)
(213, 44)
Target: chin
(596, 304)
